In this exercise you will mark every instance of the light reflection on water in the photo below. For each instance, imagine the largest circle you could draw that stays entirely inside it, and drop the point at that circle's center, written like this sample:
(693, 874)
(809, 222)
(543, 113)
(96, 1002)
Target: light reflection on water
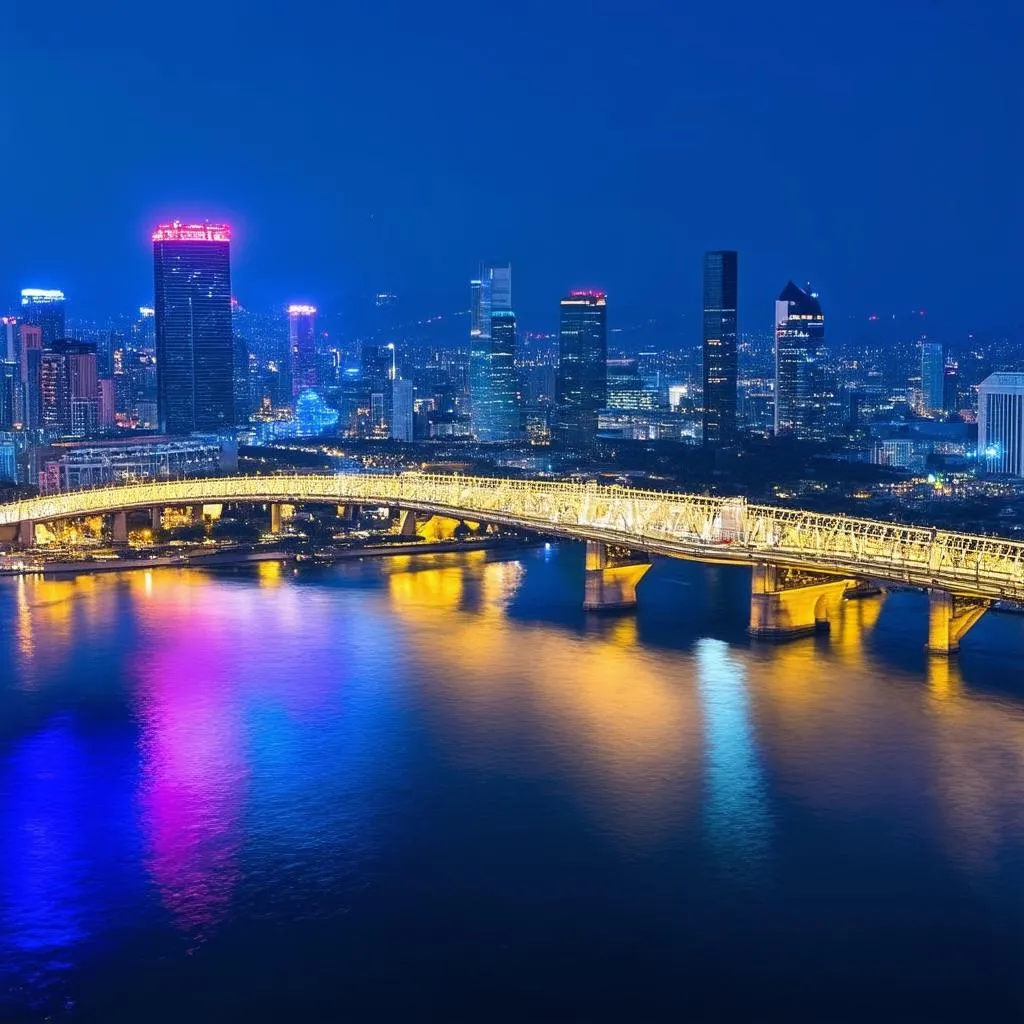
(182, 752)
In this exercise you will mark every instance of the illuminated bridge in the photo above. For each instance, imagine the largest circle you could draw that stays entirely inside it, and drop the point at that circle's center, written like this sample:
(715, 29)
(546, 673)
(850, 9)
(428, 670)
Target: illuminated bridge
(803, 563)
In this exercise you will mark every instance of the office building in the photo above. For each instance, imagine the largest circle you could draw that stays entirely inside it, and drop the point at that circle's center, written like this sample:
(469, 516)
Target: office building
(504, 384)
(720, 355)
(302, 347)
(933, 378)
(8, 462)
(402, 411)
(582, 365)
(801, 393)
(378, 377)
(30, 342)
(626, 389)
(67, 466)
(9, 390)
(1001, 424)
(491, 292)
(44, 307)
(195, 349)
(9, 339)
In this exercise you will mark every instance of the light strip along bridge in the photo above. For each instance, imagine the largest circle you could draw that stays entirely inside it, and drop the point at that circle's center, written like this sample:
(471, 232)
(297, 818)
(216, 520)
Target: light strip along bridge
(803, 562)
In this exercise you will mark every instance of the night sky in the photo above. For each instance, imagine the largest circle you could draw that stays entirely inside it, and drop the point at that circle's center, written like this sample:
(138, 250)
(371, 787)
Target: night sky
(874, 148)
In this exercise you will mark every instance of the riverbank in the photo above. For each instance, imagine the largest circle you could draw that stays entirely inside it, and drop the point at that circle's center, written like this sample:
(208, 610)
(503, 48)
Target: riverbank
(197, 559)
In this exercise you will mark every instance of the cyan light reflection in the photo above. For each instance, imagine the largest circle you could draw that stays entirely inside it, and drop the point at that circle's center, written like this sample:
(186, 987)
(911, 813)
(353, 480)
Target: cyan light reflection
(736, 811)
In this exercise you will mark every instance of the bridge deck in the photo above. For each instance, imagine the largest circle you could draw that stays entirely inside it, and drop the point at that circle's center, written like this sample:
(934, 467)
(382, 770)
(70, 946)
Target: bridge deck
(698, 527)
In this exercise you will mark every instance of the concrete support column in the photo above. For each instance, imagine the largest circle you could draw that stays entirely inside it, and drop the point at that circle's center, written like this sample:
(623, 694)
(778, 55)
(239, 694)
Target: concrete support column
(27, 534)
(349, 513)
(156, 518)
(611, 576)
(785, 603)
(949, 618)
(119, 530)
(197, 513)
(275, 518)
(407, 524)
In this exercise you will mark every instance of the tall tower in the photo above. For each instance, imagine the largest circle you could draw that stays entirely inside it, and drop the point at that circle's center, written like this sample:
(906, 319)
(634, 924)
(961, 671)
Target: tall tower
(302, 347)
(933, 378)
(720, 359)
(489, 293)
(194, 342)
(44, 307)
(800, 391)
(582, 382)
(504, 425)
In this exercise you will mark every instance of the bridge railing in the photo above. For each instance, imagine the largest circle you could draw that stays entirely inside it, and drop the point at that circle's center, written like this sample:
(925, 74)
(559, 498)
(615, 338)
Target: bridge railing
(694, 522)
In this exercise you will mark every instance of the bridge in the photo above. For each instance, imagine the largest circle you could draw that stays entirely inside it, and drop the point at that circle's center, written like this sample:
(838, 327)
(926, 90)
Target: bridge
(803, 563)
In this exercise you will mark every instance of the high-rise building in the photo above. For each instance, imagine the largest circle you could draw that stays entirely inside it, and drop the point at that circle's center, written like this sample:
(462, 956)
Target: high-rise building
(9, 339)
(504, 419)
(582, 387)
(801, 393)
(30, 342)
(489, 293)
(44, 307)
(402, 410)
(1001, 423)
(302, 347)
(9, 409)
(720, 356)
(626, 391)
(378, 377)
(933, 378)
(195, 351)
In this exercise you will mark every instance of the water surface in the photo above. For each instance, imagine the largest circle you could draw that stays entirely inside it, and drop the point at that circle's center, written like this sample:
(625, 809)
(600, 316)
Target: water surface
(436, 789)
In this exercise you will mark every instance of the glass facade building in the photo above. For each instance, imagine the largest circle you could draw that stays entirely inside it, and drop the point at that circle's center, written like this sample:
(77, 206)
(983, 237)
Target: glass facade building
(582, 380)
(490, 294)
(504, 425)
(44, 307)
(1001, 423)
(720, 357)
(195, 348)
(302, 347)
(801, 392)
(933, 378)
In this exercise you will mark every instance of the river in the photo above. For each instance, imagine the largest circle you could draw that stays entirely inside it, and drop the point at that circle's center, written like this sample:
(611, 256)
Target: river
(435, 789)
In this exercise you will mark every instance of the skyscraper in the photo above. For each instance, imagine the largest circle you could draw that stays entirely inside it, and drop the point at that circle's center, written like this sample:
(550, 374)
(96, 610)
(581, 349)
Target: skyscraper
(720, 359)
(402, 410)
(933, 378)
(194, 341)
(581, 388)
(1001, 423)
(44, 307)
(504, 425)
(801, 397)
(302, 347)
(489, 293)
(30, 341)
(378, 377)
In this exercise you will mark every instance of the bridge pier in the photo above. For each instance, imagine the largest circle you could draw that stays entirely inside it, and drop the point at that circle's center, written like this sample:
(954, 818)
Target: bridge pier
(275, 517)
(156, 518)
(407, 523)
(950, 616)
(119, 530)
(787, 603)
(611, 575)
(27, 534)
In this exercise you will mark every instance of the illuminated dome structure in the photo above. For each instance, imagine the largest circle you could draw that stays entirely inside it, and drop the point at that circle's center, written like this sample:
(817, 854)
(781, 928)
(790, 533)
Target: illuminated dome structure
(313, 416)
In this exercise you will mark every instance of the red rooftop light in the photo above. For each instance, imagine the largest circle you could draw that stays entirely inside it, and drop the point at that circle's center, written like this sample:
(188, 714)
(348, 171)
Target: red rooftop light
(178, 232)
